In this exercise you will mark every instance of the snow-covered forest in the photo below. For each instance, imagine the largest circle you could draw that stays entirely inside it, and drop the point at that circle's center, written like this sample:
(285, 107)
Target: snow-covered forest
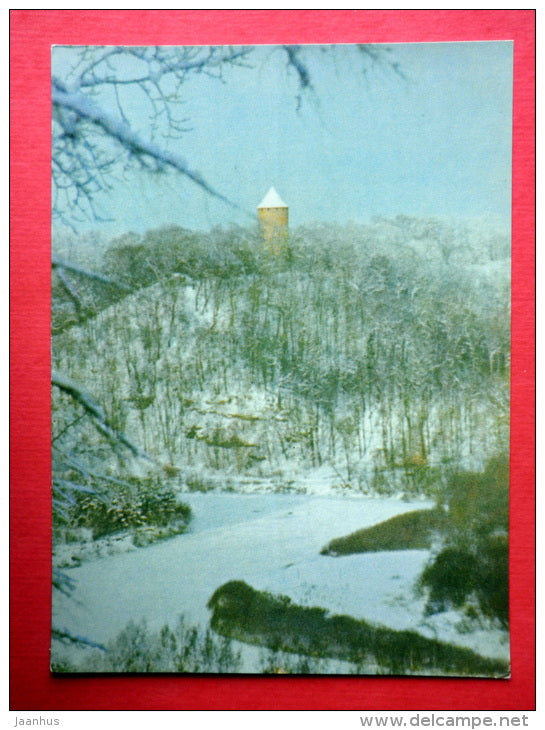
(373, 350)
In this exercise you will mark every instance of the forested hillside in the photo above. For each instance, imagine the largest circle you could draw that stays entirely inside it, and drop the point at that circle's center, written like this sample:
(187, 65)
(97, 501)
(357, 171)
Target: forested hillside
(373, 357)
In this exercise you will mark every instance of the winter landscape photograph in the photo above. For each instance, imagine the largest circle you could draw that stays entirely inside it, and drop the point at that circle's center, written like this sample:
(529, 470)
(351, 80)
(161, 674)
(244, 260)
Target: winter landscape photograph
(281, 284)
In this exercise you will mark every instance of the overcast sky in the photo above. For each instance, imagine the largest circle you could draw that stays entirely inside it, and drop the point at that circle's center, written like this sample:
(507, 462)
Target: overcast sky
(434, 143)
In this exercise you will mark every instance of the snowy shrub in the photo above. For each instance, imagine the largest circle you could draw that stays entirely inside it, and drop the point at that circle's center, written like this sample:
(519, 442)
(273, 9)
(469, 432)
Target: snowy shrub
(257, 617)
(455, 576)
(473, 563)
(492, 587)
(408, 531)
(451, 577)
(184, 648)
(138, 503)
(284, 662)
(478, 503)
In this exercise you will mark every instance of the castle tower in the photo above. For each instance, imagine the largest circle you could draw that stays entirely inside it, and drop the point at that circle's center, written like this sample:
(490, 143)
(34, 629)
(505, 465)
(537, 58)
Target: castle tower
(272, 214)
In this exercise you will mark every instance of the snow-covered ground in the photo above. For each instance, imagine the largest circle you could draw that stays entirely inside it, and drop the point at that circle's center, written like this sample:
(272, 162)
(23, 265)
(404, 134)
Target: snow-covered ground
(273, 542)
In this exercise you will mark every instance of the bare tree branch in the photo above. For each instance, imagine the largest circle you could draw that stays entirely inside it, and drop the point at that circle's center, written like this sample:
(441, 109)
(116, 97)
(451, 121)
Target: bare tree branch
(294, 60)
(66, 637)
(121, 132)
(90, 138)
(58, 263)
(95, 412)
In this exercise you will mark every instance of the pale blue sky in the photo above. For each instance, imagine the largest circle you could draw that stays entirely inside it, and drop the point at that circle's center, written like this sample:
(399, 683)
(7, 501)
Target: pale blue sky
(437, 143)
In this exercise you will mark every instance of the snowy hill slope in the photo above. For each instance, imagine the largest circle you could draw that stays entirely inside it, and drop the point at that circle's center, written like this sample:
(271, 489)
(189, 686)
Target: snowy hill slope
(371, 373)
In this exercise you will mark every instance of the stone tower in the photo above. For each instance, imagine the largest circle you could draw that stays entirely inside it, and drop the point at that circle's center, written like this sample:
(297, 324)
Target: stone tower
(272, 214)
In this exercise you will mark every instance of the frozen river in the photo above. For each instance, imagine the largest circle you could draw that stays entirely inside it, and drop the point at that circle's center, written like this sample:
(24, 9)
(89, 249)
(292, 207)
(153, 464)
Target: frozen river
(273, 543)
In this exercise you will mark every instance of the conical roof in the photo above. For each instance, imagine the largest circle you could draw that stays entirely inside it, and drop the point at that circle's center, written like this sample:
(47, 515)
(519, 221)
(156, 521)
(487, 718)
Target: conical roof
(272, 200)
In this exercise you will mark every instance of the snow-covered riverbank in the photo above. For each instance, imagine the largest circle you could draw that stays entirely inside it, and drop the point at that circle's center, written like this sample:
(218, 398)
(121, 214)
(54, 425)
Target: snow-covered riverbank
(272, 542)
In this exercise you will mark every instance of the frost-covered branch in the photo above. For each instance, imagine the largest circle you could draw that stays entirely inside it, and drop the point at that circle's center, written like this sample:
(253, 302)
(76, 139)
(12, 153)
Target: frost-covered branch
(71, 291)
(96, 131)
(66, 637)
(94, 411)
(378, 55)
(294, 61)
(143, 150)
(58, 263)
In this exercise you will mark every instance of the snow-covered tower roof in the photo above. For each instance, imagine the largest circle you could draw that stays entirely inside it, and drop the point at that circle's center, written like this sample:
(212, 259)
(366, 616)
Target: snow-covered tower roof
(272, 214)
(272, 200)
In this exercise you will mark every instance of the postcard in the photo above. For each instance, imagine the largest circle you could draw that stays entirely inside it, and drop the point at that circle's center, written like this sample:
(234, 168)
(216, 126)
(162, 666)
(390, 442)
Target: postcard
(281, 359)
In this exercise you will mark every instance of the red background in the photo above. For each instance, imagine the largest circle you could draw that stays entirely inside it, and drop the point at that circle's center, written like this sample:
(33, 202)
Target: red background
(32, 686)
